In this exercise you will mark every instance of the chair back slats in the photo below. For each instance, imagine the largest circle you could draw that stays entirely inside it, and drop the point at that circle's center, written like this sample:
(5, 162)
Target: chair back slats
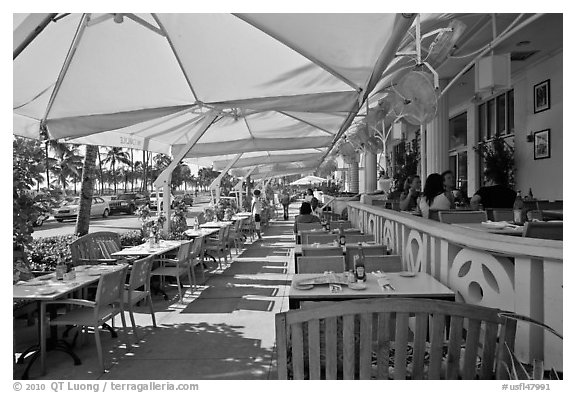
(436, 346)
(314, 348)
(322, 238)
(184, 252)
(471, 349)
(140, 274)
(331, 348)
(311, 251)
(500, 214)
(454, 345)
(354, 238)
(544, 230)
(320, 264)
(281, 345)
(400, 345)
(110, 288)
(403, 338)
(489, 350)
(306, 226)
(348, 357)
(370, 249)
(196, 248)
(344, 224)
(459, 217)
(383, 263)
(298, 351)
(421, 330)
(383, 348)
(366, 324)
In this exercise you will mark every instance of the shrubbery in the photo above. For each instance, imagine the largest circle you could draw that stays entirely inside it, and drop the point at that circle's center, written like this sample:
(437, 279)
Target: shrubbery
(43, 253)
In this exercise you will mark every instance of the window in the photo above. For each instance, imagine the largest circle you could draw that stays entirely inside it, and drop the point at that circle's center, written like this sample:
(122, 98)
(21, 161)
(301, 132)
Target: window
(457, 131)
(496, 116)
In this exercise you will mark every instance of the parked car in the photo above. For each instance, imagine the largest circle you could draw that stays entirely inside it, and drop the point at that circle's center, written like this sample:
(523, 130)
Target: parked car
(128, 202)
(69, 210)
(154, 202)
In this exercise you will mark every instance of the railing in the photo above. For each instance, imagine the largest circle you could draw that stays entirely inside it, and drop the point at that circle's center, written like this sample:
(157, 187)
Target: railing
(511, 273)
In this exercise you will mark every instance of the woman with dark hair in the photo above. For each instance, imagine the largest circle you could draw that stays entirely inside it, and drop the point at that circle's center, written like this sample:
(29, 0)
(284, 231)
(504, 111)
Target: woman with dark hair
(305, 216)
(433, 197)
(448, 181)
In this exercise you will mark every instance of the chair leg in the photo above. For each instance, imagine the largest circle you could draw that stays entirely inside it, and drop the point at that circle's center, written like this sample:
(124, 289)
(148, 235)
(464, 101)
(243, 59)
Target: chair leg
(151, 309)
(190, 280)
(123, 318)
(179, 287)
(193, 275)
(99, 348)
(133, 322)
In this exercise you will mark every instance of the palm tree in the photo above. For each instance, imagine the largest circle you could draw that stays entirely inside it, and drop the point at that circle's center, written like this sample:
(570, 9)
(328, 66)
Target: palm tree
(68, 163)
(86, 191)
(116, 155)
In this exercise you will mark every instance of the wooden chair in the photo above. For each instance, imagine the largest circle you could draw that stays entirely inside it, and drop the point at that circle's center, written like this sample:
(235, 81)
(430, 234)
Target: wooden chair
(550, 205)
(176, 267)
(311, 251)
(322, 238)
(138, 289)
(369, 249)
(95, 248)
(235, 236)
(197, 257)
(217, 247)
(372, 338)
(457, 217)
(383, 263)
(500, 214)
(320, 264)
(306, 226)
(330, 216)
(108, 303)
(544, 230)
(355, 238)
(340, 224)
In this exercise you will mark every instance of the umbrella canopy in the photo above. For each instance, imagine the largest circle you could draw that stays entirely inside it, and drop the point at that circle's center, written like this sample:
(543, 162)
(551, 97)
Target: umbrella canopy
(277, 82)
(308, 180)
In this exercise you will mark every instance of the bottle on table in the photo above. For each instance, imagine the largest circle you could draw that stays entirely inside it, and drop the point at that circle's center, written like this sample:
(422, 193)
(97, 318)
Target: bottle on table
(342, 238)
(359, 264)
(60, 267)
(519, 210)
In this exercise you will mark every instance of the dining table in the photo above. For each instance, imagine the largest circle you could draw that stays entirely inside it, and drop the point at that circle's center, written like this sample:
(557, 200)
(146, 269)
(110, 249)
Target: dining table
(492, 227)
(146, 249)
(200, 232)
(320, 287)
(47, 288)
(216, 224)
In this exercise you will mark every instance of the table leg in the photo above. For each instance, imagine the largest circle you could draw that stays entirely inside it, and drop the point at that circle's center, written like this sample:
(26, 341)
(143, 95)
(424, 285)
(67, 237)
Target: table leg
(42, 327)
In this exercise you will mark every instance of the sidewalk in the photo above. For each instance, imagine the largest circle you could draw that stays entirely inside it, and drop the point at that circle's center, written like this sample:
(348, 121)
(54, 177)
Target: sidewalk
(224, 330)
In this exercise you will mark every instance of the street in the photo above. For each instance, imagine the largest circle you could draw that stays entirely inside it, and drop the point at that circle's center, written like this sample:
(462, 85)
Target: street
(119, 222)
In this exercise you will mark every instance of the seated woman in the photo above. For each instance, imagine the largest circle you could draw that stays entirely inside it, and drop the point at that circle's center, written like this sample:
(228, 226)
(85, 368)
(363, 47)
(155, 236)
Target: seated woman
(305, 216)
(409, 198)
(433, 197)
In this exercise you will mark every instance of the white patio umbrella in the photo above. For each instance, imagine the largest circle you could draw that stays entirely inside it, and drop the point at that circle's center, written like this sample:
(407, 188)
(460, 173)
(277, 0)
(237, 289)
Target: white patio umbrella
(308, 180)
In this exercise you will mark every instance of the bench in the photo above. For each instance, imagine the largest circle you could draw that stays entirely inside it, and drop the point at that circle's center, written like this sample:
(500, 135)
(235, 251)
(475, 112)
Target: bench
(95, 248)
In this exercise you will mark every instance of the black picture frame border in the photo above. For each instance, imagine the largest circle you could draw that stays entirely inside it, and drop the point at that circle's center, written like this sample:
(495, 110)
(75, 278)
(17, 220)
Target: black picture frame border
(547, 132)
(538, 85)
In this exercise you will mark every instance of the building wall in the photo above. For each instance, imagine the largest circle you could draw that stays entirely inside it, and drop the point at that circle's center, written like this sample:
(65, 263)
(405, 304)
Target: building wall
(544, 176)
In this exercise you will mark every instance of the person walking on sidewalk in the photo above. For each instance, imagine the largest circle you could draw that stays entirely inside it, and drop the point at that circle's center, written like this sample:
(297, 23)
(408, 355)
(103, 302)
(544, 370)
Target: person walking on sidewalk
(257, 211)
(285, 203)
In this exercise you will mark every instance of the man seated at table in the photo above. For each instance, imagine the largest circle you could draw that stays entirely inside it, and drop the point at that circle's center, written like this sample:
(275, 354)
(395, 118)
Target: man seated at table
(495, 193)
(305, 216)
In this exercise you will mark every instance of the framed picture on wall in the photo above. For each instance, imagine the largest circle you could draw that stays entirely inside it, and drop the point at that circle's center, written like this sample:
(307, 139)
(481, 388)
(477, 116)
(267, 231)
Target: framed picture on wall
(542, 144)
(542, 96)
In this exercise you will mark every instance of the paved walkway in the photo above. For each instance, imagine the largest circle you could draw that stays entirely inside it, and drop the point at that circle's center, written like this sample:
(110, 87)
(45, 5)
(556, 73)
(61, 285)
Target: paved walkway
(223, 330)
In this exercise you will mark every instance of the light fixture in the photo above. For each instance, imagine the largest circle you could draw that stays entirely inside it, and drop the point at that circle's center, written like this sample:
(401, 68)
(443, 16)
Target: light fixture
(523, 43)
(118, 18)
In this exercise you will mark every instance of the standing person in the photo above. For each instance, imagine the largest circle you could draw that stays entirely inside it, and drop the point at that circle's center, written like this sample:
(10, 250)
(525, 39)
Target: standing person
(314, 204)
(433, 197)
(409, 198)
(285, 203)
(309, 195)
(495, 193)
(448, 181)
(257, 211)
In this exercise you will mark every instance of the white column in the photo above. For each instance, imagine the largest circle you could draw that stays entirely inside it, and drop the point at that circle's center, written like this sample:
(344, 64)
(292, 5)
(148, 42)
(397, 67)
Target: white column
(370, 172)
(353, 170)
(437, 138)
